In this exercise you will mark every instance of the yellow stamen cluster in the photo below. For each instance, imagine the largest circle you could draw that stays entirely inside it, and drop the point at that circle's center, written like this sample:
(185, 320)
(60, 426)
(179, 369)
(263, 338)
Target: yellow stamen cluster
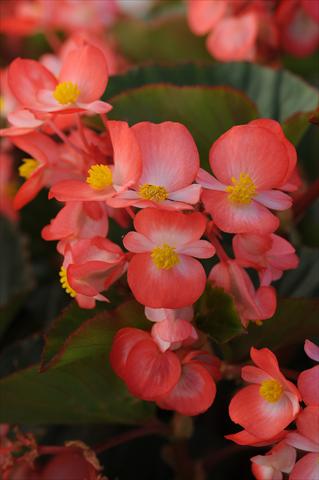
(164, 257)
(65, 283)
(99, 176)
(28, 167)
(2, 105)
(66, 93)
(242, 191)
(271, 390)
(153, 192)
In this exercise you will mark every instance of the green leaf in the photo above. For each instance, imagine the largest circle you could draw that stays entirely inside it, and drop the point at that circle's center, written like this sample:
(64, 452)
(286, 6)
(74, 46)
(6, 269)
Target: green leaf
(278, 94)
(294, 321)
(163, 39)
(80, 386)
(16, 276)
(217, 315)
(206, 112)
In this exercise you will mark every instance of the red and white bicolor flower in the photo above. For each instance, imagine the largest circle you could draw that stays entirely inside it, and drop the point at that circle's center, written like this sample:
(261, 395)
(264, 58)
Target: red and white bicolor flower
(170, 165)
(271, 403)
(163, 272)
(251, 164)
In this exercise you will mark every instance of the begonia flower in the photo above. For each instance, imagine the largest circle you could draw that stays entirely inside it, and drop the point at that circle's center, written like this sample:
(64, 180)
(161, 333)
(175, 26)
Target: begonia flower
(250, 163)
(170, 165)
(172, 328)
(101, 180)
(81, 83)
(270, 255)
(306, 438)
(308, 380)
(252, 305)
(90, 267)
(280, 459)
(77, 220)
(163, 272)
(271, 403)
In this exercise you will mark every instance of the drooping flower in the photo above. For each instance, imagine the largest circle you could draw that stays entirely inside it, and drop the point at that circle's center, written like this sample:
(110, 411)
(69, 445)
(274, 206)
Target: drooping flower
(251, 163)
(163, 272)
(170, 164)
(90, 266)
(270, 404)
(172, 328)
(270, 255)
(81, 83)
(280, 459)
(252, 305)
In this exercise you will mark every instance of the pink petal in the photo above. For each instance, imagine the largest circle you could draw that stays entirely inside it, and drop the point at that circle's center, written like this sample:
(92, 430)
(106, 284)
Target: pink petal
(312, 350)
(259, 417)
(149, 372)
(193, 394)
(137, 243)
(306, 468)
(198, 249)
(308, 385)
(206, 180)
(274, 199)
(253, 374)
(160, 143)
(174, 228)
(175, 288)
(86, 67)
(96, 107)
(29, 189)
(301, 442)
(75, 190)
(251, 150)
(189, 194)
(204, 15)
(232, 218)
(234, 38)
(308, 422)
(127, 154)
(245, 438)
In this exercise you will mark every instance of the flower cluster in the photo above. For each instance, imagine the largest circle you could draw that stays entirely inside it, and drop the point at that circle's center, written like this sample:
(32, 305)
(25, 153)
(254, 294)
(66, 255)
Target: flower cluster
(151, 173)
(255, 29)
(268, 406)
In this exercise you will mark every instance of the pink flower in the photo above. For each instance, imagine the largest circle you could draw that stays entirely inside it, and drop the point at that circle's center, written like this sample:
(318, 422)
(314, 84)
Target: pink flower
(265, 408)
(270, 255)
(146, 370)
(280, 459)
(298, 25)
(82, 81)
(251, 163)
(306, 438)
(102, 181)
(254, 305)
(90, 266)
(183, 384)
(172, 328)
(170, 165)
(163, 272)
(308, 380)
(77, 220)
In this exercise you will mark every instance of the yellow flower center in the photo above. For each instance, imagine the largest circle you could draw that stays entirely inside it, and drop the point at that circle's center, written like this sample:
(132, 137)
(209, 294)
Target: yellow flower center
(28, 167)
(164, 257)
(271, 390)
(2, 105)
(99, 176)
(242, 190)
(65, 283)
(153, 192)
(66, 92)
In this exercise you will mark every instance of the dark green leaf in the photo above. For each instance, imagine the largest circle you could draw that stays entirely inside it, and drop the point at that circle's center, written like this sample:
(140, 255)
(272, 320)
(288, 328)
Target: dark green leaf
(217, 315)
(206, 112)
